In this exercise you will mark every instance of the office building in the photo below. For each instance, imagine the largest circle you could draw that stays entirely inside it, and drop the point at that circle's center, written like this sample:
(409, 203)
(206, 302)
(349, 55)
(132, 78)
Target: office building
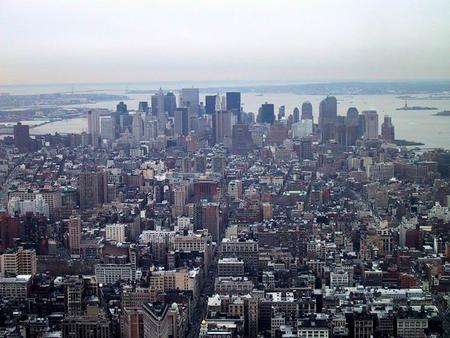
(222, 127)
(190, 99)
(18, 262)
(156, 320)
(266, 113)
(296, 115)
(93, 126)
(181, 123)
(210, 104)
(115, 232)
(351, 126)
(371, 124)
(307, 111)
(327, 119)
(22, 139)
(158, 101)
(107, 128)
(137, 127)
(74, 228)
(233, 104)
(242, 142)
(387, 129)
(170, 103)
(143, 107)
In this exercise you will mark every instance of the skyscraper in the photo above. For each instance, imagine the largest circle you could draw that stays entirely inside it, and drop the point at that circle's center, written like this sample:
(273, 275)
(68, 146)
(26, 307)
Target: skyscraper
(233, 102)
(143, 107)
(210, 104)
(22, 139)
(371, 123)
(242, 142)
(387, 129)
(190, 98)
(296, 115)
(158, 103)
(93, 126)
(181, 123)
(74, 230)
(138, 127)
(351, 126)
(170, 103)
(327, 118)
(266, 113)
(92, 188)
(307, 111)
(107, 127)
(222, 127)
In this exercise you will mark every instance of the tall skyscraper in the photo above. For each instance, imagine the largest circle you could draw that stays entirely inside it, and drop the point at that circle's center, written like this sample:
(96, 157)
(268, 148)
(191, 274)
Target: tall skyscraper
(242, 142)
(74, 230)
(266, 113)
(307, 111)
(170, 103)
(222, 127)
(93, 126)
(296, 115)
(158, 103)
(190, 98)
(371, 122)
(351, 126)
(107, 128)
(181, 123)
(92, 187)
(210, 104)
(233, 102)
(143, 107)
(22, 139)
(387, 129)
(122, 119)
(138, 127)
(327, 118)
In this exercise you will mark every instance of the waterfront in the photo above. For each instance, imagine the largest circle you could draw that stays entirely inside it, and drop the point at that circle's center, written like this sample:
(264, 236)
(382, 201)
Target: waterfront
(415, 125)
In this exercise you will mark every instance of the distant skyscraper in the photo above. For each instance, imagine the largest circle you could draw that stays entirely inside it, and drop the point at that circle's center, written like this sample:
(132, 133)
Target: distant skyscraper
(306, 148)
(74, 234)
(351, 126)
(122, 120)
(93, 126)
(190, 98)
(307, 111)
(233, 102)
(210, 104)
(158, 103)
(266, 113)
(327, 118)
(91, 187)
(222, 127)
(242, 142)
(22, 139)
(137, 127)
(107, 130)
(170, 103)
(387, 129)
(181, 123)
(371, 121)
(143, 107)
(296, 115)
(281, 112)
(122, 108)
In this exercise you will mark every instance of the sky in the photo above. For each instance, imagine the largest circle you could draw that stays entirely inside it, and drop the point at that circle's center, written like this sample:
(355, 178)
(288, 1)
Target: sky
(83, 41)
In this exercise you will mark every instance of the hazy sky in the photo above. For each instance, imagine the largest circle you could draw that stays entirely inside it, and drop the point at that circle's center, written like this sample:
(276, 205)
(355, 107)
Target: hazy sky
(60, 41)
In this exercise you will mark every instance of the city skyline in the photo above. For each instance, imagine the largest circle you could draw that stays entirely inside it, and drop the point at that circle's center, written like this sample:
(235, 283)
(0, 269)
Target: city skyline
(223, 41)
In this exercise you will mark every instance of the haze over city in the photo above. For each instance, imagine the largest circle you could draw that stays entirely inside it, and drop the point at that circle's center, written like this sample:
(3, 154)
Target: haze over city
(232, 169)
(126, 41)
